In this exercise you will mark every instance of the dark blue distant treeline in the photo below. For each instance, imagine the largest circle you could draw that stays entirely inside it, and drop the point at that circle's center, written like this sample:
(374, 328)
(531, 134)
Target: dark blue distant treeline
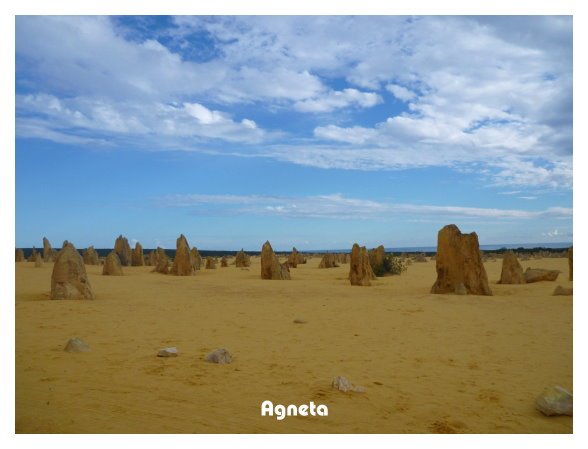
(519, 247)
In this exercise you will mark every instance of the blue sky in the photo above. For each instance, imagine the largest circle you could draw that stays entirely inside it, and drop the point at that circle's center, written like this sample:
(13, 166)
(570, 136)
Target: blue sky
(314, 132)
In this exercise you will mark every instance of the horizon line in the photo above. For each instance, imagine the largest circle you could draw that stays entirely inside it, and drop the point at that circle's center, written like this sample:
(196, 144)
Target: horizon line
(414, 248)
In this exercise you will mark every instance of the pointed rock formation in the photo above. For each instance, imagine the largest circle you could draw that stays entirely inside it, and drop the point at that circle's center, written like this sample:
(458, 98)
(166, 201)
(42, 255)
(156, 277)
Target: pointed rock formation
(224, 262)
(242, 259)
(293, 258)
(69, 279)
(196, 258)
(539, 274)
(91, 256)
(112, 265)
(360, 271)
(33, 255)
(137, 259)
(183, 263)
(328, 261)
(162, 262)
(210, 263)
(123, 249)
(38, 261)
(19, 255)
(458, 261)
(571, 263)
(301, 259)
(512, 271)
(270, 264)
(47, 250)
(152, 258)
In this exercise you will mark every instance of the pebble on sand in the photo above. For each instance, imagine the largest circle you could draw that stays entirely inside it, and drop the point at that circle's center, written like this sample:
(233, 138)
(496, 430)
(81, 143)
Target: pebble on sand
(343, 384)
(220, 356)
(563, 291)
(76, 345)
(555, 401)
(168, 352)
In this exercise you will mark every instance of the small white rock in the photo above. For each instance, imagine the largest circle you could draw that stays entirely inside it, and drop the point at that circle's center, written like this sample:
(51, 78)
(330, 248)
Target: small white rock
(555, 401)
(168, 352)
(76, 345)
(342, 384)
(220, 356)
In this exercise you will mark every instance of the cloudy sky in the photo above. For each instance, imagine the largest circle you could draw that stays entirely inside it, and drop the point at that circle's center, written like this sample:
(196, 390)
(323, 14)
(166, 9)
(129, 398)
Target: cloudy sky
(315, 132)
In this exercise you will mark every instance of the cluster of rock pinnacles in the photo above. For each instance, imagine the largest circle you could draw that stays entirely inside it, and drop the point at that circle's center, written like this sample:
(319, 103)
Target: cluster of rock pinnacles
(459, 265)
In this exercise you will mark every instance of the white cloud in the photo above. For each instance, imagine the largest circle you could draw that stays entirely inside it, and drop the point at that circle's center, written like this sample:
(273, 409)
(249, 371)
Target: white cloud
(493, 169)
(515, 171)
(491, 91)
(336, 206)
(78, 56)
(400, 92)
(160, 123)
(355, 135)
(246, 84)
(249, 123)
(204, 115)
(32, 128)
(337, 100)
(436, 132)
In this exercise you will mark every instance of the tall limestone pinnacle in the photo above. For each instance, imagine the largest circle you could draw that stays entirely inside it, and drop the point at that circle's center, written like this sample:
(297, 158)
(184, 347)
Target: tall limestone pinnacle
(458, 263)
(69, 279)
(271, 268)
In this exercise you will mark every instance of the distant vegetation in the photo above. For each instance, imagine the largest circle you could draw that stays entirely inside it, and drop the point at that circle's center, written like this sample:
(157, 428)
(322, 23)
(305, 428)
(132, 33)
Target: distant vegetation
(103, 252)
(522, 250)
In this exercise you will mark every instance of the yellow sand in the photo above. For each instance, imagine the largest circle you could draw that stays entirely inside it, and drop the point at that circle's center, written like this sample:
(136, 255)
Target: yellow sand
(429, 363)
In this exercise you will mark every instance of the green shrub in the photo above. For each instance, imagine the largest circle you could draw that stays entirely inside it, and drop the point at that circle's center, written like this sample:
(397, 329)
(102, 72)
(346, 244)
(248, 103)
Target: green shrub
(391, 265)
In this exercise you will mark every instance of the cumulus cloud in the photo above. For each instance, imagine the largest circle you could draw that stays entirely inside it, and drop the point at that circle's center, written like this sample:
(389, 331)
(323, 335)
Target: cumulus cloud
(77, 56)
(249, 123)
(400, 92)
(494, 91)
(158, 122)
(204, 115)
(337, 100)
(245, 84)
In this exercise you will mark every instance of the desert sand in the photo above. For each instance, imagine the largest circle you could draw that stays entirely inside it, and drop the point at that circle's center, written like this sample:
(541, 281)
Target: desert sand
(429, 363)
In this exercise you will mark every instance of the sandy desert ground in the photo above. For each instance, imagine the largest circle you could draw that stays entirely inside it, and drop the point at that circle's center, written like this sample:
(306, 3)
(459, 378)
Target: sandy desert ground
(429, 363)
